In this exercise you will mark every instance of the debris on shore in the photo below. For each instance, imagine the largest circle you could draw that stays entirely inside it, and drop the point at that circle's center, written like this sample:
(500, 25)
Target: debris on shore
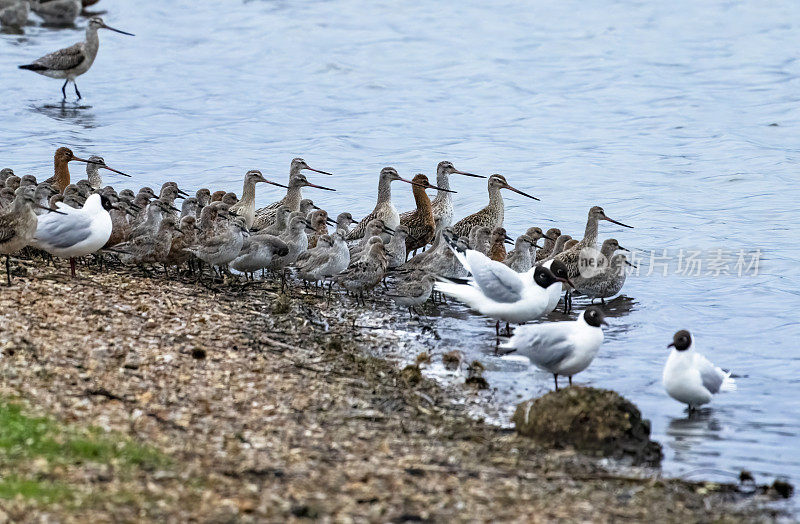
(270, 407)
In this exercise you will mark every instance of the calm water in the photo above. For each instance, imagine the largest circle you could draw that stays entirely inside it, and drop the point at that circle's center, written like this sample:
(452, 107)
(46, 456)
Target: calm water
(662, 113)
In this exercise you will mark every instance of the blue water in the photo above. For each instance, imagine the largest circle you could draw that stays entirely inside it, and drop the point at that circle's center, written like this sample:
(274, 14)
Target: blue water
(679, 118)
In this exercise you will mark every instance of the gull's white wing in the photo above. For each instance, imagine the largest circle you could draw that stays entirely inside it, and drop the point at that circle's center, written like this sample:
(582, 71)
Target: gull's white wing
(496, 280)
(544, 344)
(56, 231)
(711, 375)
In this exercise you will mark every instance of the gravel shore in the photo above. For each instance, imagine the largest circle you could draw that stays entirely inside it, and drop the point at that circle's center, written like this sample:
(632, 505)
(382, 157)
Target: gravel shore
(269, 408)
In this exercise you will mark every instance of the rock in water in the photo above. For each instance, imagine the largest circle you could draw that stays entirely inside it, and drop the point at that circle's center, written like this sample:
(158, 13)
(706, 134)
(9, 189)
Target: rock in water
(593, 421)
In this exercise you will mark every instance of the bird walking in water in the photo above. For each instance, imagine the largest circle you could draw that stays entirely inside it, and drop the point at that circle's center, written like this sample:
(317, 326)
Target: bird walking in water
(493, 214)
(73, 61)
(691, 378)
(57, 12)
(561, 348)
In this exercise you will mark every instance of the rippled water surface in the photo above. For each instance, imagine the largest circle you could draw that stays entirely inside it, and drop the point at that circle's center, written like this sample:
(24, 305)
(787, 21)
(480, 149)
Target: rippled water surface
(680, 118)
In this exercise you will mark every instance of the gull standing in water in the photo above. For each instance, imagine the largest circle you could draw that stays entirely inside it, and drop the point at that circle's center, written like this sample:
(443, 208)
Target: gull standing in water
(493, 214)
(499, 292)
(691, 378)
(75, 232)
(246, 207)
(561, 348)
(73, 61)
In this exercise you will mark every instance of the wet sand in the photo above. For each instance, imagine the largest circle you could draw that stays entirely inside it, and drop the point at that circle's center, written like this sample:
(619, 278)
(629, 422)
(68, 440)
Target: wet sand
(270, 408)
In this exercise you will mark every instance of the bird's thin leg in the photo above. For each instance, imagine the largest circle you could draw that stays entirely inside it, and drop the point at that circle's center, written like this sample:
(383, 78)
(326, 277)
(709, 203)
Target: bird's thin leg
(75, 85)
(508, 330)
(570, 381)
(72, 266)
(555, 377)
(8, 269)
(497, 329)
(64, 88)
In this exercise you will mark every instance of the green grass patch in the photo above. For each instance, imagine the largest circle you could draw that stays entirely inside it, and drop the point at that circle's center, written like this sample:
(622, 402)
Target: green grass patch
(27, 439)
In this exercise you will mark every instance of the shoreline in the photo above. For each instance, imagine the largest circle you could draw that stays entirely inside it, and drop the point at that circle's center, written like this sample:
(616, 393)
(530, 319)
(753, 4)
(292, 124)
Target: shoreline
(271, 408)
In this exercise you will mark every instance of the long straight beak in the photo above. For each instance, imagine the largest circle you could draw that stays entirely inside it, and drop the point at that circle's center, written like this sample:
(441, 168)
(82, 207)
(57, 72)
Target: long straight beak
(318, 171)
(103, 166)
(634, 266)
(320, 187)
(275, 183)
(52, 210)
(181, 192)
(623, 249)
(550, 238)
(468, 174)
(431, 186)
(330, 221)
(118, 31)
(509, 242)
(617, 223)
(671, 345)
(515, 190)
(86, 161)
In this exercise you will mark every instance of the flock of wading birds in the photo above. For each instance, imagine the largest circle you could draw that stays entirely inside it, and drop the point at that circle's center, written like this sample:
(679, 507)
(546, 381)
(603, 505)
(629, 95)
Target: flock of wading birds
(466, 260)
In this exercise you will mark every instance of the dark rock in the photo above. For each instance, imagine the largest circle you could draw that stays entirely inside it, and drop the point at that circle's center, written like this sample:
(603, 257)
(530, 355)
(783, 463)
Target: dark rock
(477, 381)
(198, 353)
(594, 421)
(782, 488)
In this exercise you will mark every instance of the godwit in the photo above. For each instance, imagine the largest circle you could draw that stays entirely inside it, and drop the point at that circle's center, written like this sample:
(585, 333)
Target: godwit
(497, 244)
(498, 291)
(492, 215)
(292, 200)
(413, 290)
(421, 222)
(520, 259)
(246, 207)
(61, 160)
(72, 61)
(384, 209)
(18, 225)
(443, 203)
(561, 348)
(691, 378)
(57, 12)
(571, 256)
(93, 167)
(264, 216)
(14, 14)
(75, 232)
(549, 243)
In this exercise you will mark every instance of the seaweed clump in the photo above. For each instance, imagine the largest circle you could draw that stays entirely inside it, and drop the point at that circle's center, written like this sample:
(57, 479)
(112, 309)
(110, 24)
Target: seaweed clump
(594, 421)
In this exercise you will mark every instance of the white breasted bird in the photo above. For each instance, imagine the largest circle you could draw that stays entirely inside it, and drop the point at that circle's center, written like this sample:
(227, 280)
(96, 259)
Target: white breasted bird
(691, 378)
(561, 348)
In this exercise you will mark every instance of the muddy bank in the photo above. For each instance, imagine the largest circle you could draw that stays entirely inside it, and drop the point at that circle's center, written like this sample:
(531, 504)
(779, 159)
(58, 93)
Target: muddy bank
(269, 408)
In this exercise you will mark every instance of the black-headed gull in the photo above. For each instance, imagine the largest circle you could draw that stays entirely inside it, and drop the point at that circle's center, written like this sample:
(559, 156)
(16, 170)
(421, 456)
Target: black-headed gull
(75, 232)
(561, 348)
(691, 378)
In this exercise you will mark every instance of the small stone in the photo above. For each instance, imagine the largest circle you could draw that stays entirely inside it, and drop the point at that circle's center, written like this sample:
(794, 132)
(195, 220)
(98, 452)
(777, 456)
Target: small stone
(782, 488)
(198, 353)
